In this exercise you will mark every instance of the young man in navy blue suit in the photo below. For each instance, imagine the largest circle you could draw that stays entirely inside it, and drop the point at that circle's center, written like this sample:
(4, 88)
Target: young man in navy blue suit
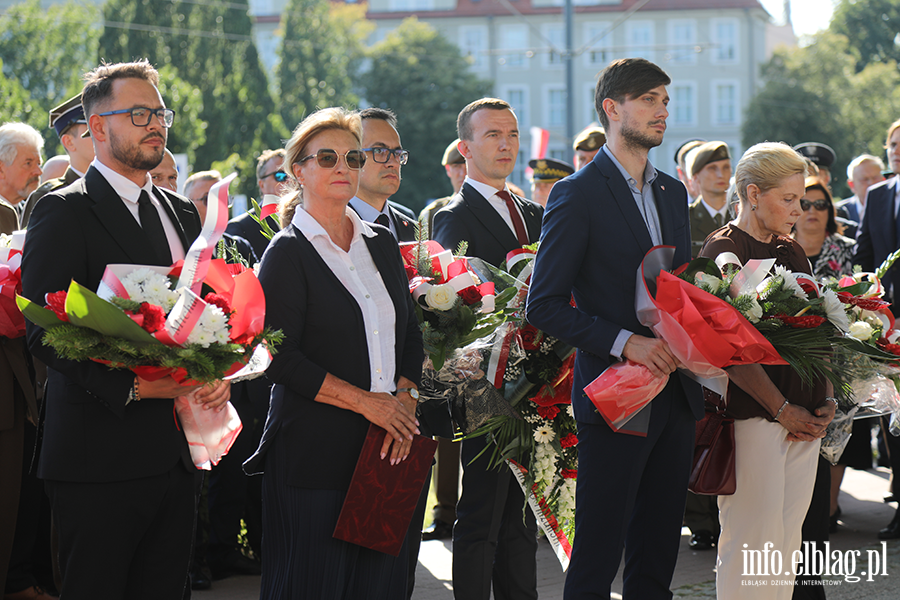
(493, 543)
(598, 225)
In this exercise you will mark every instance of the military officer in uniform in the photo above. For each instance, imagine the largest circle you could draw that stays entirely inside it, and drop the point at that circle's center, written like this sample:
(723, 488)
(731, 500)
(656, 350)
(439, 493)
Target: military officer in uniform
(546, 172)
(586, 145)
(820, 155)
(709, 169)
(70, 125)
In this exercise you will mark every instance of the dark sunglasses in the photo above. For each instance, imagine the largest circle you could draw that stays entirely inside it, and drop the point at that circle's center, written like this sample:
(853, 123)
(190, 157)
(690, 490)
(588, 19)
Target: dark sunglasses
(820, 204)
(279, 175)
(328, 159)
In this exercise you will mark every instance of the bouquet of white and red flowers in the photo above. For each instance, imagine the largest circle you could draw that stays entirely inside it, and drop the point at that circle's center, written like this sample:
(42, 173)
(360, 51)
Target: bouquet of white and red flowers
(12, 323)
(197, 321)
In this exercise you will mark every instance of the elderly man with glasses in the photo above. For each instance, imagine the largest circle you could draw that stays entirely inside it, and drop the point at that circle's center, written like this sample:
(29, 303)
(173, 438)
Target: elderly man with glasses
(115, 464)
(271, 179)
(380, 176)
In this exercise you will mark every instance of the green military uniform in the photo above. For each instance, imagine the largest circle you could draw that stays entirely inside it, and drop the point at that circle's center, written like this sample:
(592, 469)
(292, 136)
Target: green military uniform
(702, 224)
(69, 177)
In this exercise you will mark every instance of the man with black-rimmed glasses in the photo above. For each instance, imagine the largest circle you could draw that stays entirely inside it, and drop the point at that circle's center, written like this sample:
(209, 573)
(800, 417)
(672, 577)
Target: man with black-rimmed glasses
(271, 179)
(380, 176)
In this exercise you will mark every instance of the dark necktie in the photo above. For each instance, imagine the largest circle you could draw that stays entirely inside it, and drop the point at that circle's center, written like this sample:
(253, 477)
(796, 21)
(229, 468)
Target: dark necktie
(518, 225)
(718, 219)
(383, 220)
(153, 227)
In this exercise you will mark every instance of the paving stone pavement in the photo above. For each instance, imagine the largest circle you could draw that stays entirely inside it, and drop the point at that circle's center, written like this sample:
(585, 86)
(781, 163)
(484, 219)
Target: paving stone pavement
(863, 514)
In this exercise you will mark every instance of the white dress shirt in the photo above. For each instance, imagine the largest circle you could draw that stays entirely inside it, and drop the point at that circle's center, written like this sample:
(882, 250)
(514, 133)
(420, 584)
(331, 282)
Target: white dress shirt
(499, 204)
(357, 272)
(130, 193)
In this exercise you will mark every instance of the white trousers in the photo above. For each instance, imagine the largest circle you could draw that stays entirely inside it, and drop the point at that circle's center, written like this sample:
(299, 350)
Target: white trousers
(775, 482)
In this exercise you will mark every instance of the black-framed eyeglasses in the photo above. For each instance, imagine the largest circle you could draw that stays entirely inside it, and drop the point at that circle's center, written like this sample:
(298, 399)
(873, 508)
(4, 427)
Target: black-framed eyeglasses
(328, 159)
(382, 155)
(141, 115)
(279, 175)
(820, 204)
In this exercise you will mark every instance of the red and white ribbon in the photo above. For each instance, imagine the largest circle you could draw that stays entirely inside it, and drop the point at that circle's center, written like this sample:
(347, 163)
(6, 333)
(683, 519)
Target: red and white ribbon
(269, 206)
(196, 263)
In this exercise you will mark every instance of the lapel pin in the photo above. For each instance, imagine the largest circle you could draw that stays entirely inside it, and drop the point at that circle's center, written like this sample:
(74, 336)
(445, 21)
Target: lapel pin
(662, 187)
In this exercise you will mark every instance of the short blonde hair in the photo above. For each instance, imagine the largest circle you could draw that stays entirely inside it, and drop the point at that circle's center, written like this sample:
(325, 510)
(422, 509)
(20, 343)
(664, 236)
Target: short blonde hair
(322, 120)
(767, 165)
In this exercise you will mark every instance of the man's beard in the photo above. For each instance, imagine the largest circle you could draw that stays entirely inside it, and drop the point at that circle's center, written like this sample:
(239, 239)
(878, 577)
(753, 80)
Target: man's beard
(134, 157)
(632, 137)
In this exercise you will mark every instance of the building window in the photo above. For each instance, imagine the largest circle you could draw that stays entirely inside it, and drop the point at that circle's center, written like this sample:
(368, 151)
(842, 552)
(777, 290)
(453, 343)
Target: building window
(518, 174)
(410, 5)
(591, 112)
(515, 38)
(555, 107)
(553, 45)
(473, 45)
(725, 103)
(598, 39)
(683, 104)
(518, 99)
(639, 38)
(682, 41)
(725, 40)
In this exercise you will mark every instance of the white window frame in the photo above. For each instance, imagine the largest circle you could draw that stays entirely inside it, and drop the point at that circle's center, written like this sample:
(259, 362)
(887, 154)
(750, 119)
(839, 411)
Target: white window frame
(522, 111)
(549, 31)
(682, 51)
(591, 30)
(516, 61)
(546, 90)
(714, 93)
(479, 55)
(641, 49)
(590, 111)
(673, 101)
(718, 43)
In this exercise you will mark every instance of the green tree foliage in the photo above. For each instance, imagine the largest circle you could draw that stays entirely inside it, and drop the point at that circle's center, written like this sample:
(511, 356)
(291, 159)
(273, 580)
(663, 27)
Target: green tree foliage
(816, 93)
(871, 28)
(421, 76)
(189, 130)
(321, 50)
(45, 52)
(209, 45)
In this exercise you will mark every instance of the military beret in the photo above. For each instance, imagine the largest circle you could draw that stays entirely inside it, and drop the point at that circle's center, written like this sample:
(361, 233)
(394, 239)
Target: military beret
(686, 147)
(590, 139)
(549, 169)
(67, 114)
(452, 155)
(820, 154)
(707, 152)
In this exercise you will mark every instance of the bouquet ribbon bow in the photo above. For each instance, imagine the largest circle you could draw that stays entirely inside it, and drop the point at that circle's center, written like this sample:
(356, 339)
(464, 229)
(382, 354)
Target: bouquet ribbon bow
(705, 333)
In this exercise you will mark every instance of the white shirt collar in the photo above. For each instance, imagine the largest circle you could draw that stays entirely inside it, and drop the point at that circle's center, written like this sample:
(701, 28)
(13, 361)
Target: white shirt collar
(484, 189)
(366, 211)
(311, 228)
(712, 211)
(124, 187)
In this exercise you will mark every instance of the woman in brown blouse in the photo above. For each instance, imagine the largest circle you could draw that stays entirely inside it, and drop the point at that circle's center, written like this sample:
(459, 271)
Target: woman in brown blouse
(778, 419)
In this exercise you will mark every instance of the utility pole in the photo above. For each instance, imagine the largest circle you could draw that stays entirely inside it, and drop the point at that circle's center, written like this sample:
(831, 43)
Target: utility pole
(570, 82)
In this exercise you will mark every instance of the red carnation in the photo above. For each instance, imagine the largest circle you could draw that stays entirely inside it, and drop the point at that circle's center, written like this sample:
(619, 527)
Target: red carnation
(569, 473)
(569, 441)
(219, 301)
(154, 317)
(57, 303)
(804, 322)
(470, 295)
(548, 412)
(531, 337)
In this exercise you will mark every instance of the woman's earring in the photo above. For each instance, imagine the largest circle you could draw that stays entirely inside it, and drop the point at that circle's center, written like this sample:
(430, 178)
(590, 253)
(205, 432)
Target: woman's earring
(752, 207)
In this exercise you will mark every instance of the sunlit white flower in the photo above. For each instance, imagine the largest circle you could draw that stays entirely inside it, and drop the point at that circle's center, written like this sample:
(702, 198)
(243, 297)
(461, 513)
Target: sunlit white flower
(707, 282)
(544, 434)
(755, 312)
(440, 297)
(835, 311)
(861, 331)
(790, 282)
(571, 411)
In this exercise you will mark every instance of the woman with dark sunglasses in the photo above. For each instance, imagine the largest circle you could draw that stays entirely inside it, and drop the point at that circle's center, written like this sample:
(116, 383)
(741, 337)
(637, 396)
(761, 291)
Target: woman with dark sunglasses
(352, 355)
(829, 252)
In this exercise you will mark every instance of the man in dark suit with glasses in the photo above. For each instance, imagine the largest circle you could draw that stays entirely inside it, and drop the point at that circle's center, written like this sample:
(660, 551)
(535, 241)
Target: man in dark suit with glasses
(271, 179)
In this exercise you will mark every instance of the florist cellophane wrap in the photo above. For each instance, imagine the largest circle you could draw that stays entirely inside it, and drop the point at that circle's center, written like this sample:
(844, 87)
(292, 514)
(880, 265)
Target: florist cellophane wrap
(705, 333)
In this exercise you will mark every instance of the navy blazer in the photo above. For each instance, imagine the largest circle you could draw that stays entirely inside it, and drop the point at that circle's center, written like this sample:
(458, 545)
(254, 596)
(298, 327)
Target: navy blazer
(470, 217)
(877, 237)
(89, 432)
(592, 242)
(325, 333)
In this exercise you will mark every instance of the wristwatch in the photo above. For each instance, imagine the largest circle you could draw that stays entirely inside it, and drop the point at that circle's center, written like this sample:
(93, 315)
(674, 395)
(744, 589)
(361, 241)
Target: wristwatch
(413, 392)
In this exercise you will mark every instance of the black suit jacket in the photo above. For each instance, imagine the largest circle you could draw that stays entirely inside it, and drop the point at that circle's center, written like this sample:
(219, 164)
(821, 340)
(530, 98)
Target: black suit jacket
(877, 237)
(403, 219)
(470, 217)
(593, 240)
(325, 333)
(90, 435)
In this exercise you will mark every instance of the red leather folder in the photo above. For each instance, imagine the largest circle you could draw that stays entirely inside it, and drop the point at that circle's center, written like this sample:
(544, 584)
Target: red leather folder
(381, 499)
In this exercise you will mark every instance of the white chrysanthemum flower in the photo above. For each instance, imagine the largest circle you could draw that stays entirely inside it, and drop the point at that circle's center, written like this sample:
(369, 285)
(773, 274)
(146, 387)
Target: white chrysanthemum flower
(200, 336)
(214, 318)
(544, 434)
(790, 282)
(835, 311)
(755, 312)
(707, 282)
(860, 330)
(5, 241)
(571, 411)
